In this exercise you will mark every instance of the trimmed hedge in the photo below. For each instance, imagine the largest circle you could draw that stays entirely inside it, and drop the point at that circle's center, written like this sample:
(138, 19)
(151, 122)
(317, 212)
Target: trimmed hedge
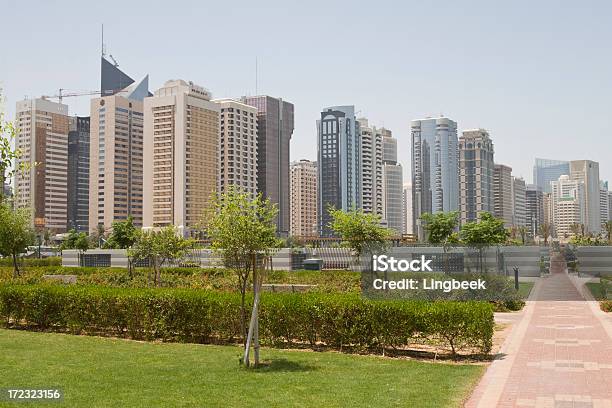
(49, 261)
(332, 320)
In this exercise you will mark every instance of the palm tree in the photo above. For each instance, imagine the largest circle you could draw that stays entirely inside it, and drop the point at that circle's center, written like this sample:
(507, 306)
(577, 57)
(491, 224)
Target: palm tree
(545, 231)
(607, 227)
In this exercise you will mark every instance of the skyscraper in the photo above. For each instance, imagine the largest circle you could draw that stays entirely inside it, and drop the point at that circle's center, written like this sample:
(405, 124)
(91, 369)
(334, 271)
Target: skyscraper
(181, 155)
(304, 198)
(587, 172)
(339, 167)
(78, 173)
(371, 168)
(112, 79)
(435, 180)
(568, 204)
(42, 136)
(535, 209)
(407, 197)
(115, 171)
(238, 147)
(519, 199)
(476, 168)
(392, 184)
(274, 130)
(545, 171)
(604, 204)
(502, 194)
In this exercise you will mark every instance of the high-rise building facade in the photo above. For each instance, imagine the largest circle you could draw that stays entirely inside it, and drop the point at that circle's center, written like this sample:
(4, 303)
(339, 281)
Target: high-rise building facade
(371, 168)
(535, 209)
(78, 174)
(42, 136)
(587, 172)
(274, 131)
(548, 207)
(339, 167)
(604, 204)
(568, 205)
(519, 207)
(407, 197)
(304, 199)
(393, 181)
(435, 180)
(545, 171)
(502, 194)
(116, 157)
(181, 155)
(476, 169)
(238, 147)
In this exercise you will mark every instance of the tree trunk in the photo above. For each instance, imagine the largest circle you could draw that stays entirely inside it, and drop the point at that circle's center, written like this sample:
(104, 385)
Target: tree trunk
(256, 289)
(15, 266)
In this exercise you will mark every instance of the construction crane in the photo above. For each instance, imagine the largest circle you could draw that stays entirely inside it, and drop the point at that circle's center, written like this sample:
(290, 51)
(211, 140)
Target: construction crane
(62, 93)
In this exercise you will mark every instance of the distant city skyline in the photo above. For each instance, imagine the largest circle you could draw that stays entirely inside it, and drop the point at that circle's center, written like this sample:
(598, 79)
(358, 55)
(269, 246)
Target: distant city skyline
(542, 94)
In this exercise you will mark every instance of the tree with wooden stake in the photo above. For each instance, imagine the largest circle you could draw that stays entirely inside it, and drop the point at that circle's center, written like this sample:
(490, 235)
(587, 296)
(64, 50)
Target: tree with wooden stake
(242, 229)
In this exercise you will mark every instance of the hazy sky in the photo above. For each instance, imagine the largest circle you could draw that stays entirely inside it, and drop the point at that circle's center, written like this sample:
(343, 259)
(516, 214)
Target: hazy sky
(536, 74)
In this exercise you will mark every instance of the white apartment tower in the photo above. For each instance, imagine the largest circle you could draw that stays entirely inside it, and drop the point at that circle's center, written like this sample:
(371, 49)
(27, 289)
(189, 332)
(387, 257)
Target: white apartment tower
(181, 155)
(393, 182)
(238, 147)
(42, 136)
(587, 172)
(303, 202)
(568, 205)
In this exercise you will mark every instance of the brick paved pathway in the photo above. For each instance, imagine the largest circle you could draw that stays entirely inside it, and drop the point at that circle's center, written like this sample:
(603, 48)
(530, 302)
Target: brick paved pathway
(558, 355)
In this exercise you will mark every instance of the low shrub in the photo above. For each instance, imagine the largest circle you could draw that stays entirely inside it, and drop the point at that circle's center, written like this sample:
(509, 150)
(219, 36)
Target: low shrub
(316, 319)
(606, 305)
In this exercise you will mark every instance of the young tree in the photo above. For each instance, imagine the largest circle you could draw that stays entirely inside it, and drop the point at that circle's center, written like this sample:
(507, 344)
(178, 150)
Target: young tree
(160, 246)
(440, 228)
(522, 230)
(8, 154)
(123, 236)
(361, 231)
(243, 229)
(16, 233)
(76, 240)
(484, 233)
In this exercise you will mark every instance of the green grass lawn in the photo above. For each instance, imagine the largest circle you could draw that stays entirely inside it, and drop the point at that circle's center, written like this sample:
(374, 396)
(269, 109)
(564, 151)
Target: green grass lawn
(103, 372)
(601, 290)
(525, 289)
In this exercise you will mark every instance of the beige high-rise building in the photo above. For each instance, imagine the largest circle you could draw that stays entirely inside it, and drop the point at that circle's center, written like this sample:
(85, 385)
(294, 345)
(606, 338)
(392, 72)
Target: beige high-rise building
(238, 147)
(476, 168)
(502, 194)
(372, 200)
(181, 155)
(42, 137)
(303, 203)
(115, 172)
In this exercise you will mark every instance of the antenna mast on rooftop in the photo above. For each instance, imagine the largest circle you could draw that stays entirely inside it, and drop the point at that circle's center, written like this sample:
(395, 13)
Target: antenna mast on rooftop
(103, 49)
